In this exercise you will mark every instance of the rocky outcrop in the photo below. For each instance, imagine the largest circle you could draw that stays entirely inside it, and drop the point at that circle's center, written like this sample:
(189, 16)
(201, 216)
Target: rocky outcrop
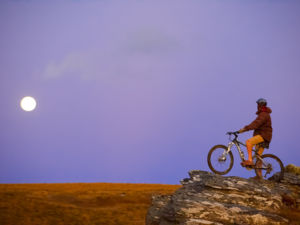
(207, 198)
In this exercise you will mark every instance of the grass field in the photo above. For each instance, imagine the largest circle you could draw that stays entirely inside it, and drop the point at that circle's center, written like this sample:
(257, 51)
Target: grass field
(77, 203)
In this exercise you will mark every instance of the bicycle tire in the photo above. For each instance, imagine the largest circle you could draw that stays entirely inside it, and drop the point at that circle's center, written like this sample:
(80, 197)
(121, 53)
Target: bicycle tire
(276, 168)
(213, 165)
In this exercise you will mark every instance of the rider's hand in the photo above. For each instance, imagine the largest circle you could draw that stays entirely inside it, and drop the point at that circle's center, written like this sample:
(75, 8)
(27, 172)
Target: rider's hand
(242, 130)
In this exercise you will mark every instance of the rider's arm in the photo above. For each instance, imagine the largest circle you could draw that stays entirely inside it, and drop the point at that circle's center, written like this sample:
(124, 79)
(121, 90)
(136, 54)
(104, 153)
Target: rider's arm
(260, 120)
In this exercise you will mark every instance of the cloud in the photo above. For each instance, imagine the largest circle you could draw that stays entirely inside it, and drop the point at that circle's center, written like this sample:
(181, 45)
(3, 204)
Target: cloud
(73, 63)
(108, 47)
(137, 54)
(151, 41)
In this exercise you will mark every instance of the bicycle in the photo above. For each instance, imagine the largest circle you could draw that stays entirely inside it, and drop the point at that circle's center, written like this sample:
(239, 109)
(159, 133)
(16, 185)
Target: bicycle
(220, 160)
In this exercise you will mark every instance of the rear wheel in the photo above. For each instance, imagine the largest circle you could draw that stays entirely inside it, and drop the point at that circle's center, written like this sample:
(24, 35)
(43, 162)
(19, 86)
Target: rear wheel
(269, 167)
(219, 161)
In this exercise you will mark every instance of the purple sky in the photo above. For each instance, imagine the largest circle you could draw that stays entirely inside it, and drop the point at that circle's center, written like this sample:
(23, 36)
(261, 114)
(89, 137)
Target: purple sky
(139, 91)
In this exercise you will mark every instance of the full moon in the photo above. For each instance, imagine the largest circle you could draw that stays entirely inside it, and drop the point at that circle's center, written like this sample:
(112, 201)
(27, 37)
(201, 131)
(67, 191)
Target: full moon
(28, 103)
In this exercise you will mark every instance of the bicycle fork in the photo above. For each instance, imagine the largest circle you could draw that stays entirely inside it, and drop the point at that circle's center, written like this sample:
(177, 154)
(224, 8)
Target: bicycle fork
(225, 153)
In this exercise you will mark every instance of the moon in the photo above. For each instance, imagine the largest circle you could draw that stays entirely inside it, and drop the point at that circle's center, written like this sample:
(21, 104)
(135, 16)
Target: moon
(28, 103)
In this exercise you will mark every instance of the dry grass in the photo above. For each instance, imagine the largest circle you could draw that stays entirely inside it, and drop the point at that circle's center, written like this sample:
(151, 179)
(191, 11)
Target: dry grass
(77, 204)
(291, 168)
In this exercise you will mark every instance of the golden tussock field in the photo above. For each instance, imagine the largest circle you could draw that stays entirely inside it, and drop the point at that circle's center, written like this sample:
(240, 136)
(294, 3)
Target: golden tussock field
(77, 203)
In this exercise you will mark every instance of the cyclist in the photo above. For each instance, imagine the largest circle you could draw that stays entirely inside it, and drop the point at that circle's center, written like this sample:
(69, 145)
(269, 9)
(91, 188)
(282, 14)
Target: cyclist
(262, 127)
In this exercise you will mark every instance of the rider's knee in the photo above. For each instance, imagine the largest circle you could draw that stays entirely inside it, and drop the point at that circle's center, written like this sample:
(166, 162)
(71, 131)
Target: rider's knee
(248, 143)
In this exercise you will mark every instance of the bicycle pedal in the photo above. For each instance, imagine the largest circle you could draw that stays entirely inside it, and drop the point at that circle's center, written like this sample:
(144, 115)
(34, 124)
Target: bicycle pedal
(246, 164)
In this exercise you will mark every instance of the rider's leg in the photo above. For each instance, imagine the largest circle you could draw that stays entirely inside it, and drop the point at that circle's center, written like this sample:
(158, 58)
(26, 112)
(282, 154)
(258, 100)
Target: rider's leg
(260, 150)
(250, 143)
(259, 164)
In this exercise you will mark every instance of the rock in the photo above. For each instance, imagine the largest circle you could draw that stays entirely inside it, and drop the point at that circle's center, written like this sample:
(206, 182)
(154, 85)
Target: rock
(207, 198)
(290, 178)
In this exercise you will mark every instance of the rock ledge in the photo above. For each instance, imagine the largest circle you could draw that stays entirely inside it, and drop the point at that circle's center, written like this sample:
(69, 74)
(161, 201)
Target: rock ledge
(207, 198)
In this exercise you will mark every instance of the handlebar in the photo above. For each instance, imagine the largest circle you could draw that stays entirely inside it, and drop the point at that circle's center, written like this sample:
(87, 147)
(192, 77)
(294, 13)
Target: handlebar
(235, 133)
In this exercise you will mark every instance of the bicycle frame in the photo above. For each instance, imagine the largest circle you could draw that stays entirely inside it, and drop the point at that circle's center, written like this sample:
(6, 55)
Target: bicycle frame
(237, 143)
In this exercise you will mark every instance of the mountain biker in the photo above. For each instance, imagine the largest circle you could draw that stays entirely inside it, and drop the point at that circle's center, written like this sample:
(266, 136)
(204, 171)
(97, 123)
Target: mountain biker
(262, 127)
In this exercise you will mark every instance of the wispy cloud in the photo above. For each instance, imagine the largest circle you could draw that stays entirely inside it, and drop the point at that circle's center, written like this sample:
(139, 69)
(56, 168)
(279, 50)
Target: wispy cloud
(76, 63)
(138, 53)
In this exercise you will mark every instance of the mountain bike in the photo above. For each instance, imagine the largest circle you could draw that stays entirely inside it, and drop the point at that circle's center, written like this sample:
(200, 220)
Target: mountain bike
(220, 160)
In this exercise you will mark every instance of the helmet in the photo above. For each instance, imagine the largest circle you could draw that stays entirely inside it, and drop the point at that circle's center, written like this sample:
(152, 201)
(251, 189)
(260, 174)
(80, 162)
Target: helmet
(261, 101)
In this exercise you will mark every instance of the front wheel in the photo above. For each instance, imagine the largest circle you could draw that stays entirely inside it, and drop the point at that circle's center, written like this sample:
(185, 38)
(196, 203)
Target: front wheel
(269, 167)
(219, 161)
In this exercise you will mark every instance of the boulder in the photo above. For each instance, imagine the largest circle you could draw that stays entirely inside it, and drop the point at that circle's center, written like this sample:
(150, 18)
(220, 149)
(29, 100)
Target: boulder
(207, 198)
